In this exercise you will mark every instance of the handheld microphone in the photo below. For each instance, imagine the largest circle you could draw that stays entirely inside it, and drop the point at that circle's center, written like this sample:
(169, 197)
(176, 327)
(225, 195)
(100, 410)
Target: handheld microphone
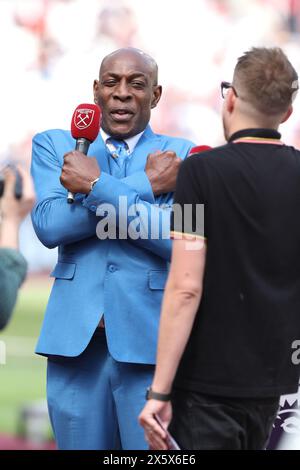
(85, 127)
(199, 149)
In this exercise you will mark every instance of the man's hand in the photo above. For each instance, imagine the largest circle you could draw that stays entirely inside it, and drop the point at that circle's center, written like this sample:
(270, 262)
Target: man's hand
(154, 433)
(78, 172)
(162, 169)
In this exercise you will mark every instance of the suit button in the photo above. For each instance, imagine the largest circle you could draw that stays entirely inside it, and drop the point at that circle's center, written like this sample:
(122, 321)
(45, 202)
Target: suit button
(112, 268)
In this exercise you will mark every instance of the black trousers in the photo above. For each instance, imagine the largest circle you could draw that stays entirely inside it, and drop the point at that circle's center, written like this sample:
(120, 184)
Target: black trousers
(207, 422)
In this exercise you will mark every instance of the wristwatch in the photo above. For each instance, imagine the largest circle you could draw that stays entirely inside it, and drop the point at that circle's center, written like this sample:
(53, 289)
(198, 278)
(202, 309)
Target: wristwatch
(150, 394)
(92, 184)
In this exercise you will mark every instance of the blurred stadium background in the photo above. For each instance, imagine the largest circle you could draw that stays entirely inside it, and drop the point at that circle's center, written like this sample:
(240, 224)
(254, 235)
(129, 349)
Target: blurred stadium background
(50, 53)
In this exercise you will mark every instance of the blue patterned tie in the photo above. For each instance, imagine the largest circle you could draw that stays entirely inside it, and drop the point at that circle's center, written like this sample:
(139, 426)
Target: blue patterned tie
(119, 157)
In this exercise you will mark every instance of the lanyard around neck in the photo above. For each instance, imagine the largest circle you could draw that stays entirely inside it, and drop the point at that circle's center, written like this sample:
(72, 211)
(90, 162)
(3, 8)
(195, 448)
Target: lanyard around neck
(257, 140)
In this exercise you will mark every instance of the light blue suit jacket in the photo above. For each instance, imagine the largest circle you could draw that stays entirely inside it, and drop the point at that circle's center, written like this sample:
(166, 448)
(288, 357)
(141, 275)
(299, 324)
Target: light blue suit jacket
(122, 278)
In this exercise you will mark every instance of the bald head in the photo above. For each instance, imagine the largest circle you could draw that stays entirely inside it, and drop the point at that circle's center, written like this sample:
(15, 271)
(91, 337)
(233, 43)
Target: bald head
(127, 91)
(137, 57)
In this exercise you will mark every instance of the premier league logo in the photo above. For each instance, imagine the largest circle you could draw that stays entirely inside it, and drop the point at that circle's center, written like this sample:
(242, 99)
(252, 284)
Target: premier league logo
(286, 428)
(83, 118)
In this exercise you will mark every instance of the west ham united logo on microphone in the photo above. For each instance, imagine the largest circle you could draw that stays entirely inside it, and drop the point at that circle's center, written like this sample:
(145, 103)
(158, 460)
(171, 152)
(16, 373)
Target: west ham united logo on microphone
(83, 118)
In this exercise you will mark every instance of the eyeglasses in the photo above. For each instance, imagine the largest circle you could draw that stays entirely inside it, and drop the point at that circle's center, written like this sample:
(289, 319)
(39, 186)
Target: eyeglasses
(225, 86)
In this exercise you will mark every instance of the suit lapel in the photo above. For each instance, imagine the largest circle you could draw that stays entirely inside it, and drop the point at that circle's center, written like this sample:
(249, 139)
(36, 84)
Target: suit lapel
(148, 143)
(99, 150)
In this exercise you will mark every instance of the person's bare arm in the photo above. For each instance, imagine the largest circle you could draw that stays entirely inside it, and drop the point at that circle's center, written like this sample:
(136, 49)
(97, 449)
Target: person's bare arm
(181, 300)
(13, 265)
(13, 210)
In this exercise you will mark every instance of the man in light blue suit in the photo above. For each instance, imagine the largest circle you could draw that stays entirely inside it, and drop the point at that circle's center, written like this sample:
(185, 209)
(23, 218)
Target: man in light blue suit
(100, 327)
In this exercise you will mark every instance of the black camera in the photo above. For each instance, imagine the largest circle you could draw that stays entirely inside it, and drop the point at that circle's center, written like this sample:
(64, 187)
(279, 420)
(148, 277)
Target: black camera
(18, 185)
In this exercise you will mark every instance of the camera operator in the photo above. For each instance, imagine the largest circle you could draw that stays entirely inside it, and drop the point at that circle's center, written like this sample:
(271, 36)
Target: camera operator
(13, 266)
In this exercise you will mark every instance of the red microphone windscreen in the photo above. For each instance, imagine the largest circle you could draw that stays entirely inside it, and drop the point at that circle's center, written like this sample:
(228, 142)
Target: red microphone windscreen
(199, 148)
(86, 122)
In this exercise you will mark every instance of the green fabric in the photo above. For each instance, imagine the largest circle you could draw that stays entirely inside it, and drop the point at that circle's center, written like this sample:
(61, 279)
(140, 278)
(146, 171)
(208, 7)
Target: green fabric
(13, 268)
